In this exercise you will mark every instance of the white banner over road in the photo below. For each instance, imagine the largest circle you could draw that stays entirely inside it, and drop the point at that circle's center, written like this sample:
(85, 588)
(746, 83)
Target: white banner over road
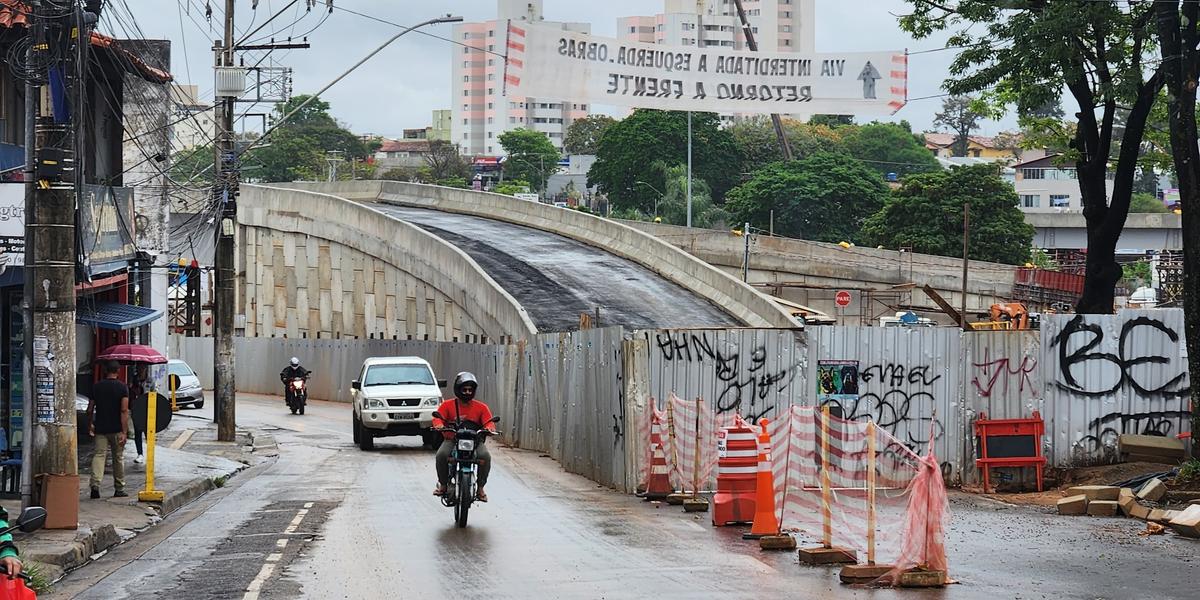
(546, 62)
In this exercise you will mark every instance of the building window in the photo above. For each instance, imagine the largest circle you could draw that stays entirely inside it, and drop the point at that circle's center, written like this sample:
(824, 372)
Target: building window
(1031, 200)
(491, 105)
(786, 28)
(465, 136)
(466, 49)
(489, 149)
(491, 91)
(466, 92)
(491, 47)
(467, 35)
(466, 121)
(489, 135)
(491, 77)
(491, 62)
(491, 33)
(633, 30)
(787, 42)
(512, 120)
(466, 78)
(1060, 201)
(489, 120)
(1033, 173)
(466, 107)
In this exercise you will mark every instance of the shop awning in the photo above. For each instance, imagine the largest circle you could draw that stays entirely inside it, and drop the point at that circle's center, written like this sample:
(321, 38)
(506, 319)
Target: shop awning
(114, 315)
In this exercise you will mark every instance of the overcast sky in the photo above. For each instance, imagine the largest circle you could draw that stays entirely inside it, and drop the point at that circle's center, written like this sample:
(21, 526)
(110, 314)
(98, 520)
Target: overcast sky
(401, 86)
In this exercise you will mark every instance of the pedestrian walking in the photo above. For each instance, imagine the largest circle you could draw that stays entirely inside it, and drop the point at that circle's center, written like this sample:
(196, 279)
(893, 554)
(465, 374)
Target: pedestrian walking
(138, 405)
(108, 412)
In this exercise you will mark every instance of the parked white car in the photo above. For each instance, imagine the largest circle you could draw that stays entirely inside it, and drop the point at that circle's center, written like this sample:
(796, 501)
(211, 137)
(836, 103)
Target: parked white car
(395, 396)
(189, 392)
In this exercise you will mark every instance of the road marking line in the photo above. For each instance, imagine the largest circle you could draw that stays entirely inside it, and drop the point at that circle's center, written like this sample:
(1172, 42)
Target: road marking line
(282, 543)
(291, 528)
(182, 439)
(308, 505)
(252, 590)
(274, 557)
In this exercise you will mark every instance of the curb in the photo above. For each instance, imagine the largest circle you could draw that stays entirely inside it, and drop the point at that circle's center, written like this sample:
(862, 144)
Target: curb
(75, 554)
(190, 491)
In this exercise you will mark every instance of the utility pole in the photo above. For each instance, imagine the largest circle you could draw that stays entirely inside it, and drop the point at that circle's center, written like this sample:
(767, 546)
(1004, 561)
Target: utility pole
(49, 295)
(966, 323)
(225, 192)
(753, 46)
(689, 177)
(746, 254)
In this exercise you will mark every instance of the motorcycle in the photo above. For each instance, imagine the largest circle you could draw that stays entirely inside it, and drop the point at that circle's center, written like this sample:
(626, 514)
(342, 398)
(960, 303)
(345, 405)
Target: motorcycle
(17, 588)
(299, 388)
(461, 489)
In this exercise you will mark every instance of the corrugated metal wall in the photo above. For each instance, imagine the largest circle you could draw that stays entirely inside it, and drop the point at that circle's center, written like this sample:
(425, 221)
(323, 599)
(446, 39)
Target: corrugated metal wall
(910, 384)
(579, 396)
(1112, 374)
(756, 372)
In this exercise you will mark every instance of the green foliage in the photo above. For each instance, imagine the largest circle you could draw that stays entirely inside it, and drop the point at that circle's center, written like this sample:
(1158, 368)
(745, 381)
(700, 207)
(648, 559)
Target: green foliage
(889, 148)
(961, 117)
(193, 167)
(39, 581)
(444, 161)
(833, 121)
(512, 187)
(1147, 203)
(629, 214)
(531, 156)
(926, 214)
(1189, 472)
(628, 148)
(1041, 259)
(583, 135)
(673, 207)
(824, 197)
(1137, 273)
(403, 174)
(759, 144)
(454, 182)
(297, 149)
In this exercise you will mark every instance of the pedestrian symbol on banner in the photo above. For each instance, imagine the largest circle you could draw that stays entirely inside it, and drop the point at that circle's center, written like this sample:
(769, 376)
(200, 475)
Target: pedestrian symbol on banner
(869, 76)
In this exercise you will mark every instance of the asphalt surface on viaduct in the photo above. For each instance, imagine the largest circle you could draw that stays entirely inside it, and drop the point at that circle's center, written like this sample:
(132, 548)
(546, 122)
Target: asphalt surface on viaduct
(556, 278)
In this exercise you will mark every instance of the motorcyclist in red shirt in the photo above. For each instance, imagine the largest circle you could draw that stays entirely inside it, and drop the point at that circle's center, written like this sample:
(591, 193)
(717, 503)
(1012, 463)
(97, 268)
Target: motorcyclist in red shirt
(475, 415)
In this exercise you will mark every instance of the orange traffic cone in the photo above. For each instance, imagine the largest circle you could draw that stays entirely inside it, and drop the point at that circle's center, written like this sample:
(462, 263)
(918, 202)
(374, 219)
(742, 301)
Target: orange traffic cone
(659, 485)
(765, 522)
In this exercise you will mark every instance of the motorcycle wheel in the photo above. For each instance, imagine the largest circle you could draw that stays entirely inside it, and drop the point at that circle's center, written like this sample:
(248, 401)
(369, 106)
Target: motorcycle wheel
(302, 408)
(464, 499)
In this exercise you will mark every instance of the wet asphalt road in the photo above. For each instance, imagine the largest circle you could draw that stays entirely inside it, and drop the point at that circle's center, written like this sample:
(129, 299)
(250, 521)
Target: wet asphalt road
(556, 279)
(329, 521)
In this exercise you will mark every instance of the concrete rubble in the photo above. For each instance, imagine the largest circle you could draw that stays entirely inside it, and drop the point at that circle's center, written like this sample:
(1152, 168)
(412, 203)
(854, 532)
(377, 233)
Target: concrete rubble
(1147, 503)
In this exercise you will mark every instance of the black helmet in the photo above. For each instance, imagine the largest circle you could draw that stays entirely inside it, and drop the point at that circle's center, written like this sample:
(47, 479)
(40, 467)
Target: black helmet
(464, 379)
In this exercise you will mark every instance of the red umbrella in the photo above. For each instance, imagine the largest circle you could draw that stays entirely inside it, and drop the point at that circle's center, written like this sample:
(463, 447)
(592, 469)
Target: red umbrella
(133, 353)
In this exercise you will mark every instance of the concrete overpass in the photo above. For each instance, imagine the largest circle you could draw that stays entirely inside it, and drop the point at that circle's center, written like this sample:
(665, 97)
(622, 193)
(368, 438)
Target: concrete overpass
(384, 259)
(1143, 231)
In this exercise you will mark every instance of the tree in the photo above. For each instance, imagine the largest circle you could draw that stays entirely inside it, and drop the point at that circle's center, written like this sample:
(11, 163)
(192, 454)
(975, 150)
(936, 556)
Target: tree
(833, 121)
(1096, 49)
(583, 136)
(926, 213)
(625, 155)
(1179, 38)
(1146, 203)
(825, 197)
(531, 156)
(958, 116)
(673, 206)
(512, 187)
(444, 161)
(298, 147)
(759, 144)
(411, 174)
(889, 148)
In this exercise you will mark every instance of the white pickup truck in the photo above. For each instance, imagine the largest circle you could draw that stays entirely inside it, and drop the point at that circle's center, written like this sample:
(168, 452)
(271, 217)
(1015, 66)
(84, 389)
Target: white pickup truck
(395, 396)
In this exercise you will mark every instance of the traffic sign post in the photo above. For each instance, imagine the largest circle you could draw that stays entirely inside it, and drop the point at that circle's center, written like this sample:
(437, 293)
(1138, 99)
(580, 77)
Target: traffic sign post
(842, 299)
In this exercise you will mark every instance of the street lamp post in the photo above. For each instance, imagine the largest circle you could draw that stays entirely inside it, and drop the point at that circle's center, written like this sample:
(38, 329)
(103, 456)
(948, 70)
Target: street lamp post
(660, 194)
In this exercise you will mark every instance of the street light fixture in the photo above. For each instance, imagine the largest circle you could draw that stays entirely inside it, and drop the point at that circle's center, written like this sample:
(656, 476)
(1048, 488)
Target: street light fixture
(660, 194)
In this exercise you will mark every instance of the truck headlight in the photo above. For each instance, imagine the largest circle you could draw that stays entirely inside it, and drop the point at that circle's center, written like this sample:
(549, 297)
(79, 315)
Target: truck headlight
(375, 403)
(431, 402)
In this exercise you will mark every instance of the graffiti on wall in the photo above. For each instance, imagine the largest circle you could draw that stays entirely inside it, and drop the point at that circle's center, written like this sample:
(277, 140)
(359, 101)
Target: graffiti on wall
(900, 399)
(1135, 361)
(748, 380)
(1003, 376)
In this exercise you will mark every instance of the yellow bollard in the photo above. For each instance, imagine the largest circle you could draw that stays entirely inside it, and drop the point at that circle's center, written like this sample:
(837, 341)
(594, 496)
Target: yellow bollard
(150, 494)
(171, 382)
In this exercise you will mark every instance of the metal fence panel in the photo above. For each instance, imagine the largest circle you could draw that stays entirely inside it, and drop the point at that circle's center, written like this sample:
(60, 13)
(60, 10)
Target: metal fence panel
(1106, 375)
(755, 372)
(909, 384)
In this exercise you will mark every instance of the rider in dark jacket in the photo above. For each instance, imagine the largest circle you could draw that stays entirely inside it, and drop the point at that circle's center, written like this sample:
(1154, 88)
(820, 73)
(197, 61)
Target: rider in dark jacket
(289, 373)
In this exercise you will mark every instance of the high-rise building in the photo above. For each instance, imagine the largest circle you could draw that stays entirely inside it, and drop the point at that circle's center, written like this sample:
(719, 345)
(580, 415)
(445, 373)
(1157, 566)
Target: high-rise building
(480, 109)
(777, 25)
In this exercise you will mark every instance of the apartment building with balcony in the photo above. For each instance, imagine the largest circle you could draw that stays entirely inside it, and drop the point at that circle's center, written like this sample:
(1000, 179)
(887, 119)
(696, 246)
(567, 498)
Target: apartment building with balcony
(777, 25)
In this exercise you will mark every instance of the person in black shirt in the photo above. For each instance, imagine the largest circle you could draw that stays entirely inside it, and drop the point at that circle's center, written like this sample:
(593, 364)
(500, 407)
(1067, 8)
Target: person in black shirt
(108, 412)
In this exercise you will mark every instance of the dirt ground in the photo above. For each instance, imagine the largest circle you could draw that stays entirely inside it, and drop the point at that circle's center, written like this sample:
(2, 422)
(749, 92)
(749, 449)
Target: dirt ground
(1057, 485)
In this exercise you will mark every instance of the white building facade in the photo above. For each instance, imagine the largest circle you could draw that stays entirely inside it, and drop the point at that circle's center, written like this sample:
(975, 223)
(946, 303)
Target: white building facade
(1045, 186)
(777, 25)
(480, 110)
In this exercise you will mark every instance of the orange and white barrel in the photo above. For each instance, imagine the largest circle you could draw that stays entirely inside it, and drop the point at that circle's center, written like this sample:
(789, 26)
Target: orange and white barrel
(737, 475)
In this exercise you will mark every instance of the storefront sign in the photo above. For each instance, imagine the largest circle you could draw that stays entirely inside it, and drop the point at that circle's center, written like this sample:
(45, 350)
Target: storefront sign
(547, 62)
(106, 228)
(12, 223)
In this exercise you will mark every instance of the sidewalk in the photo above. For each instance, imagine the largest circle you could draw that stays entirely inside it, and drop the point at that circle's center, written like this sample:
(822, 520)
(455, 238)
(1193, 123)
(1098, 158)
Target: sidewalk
(189, 461)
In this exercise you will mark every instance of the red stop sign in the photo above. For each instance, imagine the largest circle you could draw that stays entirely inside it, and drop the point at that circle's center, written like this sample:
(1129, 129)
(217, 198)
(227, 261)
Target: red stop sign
(842, 298)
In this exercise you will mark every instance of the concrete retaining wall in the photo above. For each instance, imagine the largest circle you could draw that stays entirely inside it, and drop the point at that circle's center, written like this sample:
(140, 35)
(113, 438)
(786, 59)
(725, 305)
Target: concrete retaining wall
(316, 265)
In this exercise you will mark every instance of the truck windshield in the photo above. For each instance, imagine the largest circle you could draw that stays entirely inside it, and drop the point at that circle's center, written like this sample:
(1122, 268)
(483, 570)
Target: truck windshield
(398, 375)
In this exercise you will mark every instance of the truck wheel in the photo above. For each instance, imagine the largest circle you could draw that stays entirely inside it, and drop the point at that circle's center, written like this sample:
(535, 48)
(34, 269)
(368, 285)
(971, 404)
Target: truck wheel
(356, 427)
(366, 441)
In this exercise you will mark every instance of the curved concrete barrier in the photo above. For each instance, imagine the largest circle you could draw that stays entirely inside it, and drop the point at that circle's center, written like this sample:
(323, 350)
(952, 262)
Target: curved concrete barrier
(738, 299)
(410, 249)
